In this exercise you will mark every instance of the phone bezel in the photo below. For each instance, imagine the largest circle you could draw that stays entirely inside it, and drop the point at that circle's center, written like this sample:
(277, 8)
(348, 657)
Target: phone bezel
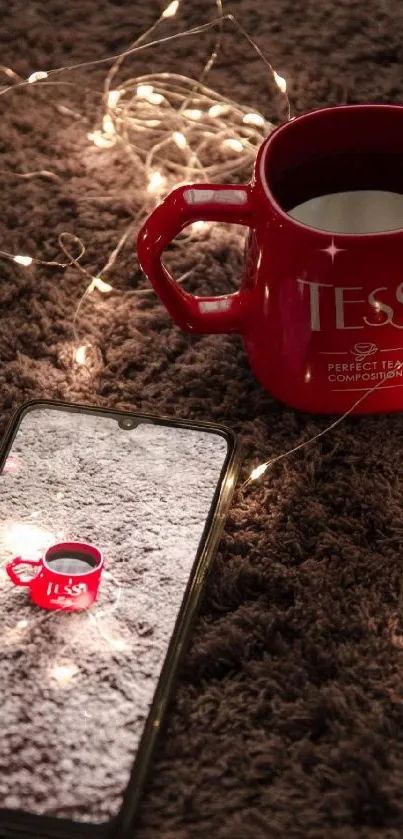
(26, 825)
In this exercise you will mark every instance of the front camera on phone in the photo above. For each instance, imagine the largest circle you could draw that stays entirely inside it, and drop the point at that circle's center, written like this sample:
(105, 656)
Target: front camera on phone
(127, 423)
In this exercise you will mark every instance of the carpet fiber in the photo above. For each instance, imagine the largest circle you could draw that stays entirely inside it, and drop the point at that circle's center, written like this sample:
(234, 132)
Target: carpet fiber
(288, 714)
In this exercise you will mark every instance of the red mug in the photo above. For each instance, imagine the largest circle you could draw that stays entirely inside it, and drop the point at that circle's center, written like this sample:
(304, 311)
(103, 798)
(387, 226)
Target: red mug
(320, 306)
(67, 579)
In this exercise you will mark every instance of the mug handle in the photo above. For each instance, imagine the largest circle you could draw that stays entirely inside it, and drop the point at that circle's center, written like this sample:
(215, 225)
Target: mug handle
(20, 561)
(186, 204)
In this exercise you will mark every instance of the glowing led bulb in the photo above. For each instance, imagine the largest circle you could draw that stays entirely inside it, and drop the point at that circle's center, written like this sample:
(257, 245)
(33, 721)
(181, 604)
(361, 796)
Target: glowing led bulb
(155, 98)
(100, 285)
(103, 141)
(23, 260)
(144, 90)
(156, 182)
(10, 73)
(80, 354)
(280, 82)
(256, 473)
(233, 144)
(253, 119)
(217, 110)
(171, 10)
(107, 124)
(179, 139)
(37, 77)
(193, 113)
(113, 98)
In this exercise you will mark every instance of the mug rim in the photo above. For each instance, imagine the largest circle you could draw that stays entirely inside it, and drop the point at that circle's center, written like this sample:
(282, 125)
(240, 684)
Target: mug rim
(73, 545)
(261, 177)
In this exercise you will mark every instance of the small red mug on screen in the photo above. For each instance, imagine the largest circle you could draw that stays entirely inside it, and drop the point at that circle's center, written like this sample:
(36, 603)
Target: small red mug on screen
(67, 578)
(320, 306)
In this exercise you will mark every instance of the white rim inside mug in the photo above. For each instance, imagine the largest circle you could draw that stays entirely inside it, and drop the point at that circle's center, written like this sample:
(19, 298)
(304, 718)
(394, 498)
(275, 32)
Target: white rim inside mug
(273, 201)
(80, 573)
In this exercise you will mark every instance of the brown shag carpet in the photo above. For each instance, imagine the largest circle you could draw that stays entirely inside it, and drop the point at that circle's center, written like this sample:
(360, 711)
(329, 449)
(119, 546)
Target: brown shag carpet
(288, 715)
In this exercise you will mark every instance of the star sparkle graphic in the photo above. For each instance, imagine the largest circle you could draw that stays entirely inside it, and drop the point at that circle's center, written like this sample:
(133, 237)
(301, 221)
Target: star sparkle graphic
(332, 250)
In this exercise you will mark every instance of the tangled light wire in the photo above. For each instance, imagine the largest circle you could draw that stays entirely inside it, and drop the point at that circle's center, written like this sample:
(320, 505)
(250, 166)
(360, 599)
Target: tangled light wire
(171, 127)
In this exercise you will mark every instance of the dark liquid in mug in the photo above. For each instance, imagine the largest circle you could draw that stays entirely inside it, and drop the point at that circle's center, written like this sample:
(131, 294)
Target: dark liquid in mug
(75, 562)
(346, 193)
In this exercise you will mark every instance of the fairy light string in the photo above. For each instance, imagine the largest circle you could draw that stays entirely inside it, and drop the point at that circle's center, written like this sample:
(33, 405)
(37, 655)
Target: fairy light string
(116, 119)
(170, 126)
(258, 471)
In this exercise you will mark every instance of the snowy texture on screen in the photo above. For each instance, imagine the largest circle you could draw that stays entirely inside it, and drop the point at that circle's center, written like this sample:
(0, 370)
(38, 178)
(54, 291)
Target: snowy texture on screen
(76, 687)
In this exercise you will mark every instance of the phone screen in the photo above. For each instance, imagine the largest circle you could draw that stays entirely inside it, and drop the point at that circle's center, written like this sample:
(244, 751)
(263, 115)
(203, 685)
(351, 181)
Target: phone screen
(76, 686)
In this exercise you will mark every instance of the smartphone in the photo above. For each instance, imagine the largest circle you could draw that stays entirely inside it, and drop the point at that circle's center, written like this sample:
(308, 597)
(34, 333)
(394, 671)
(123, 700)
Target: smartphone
(108, 526)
